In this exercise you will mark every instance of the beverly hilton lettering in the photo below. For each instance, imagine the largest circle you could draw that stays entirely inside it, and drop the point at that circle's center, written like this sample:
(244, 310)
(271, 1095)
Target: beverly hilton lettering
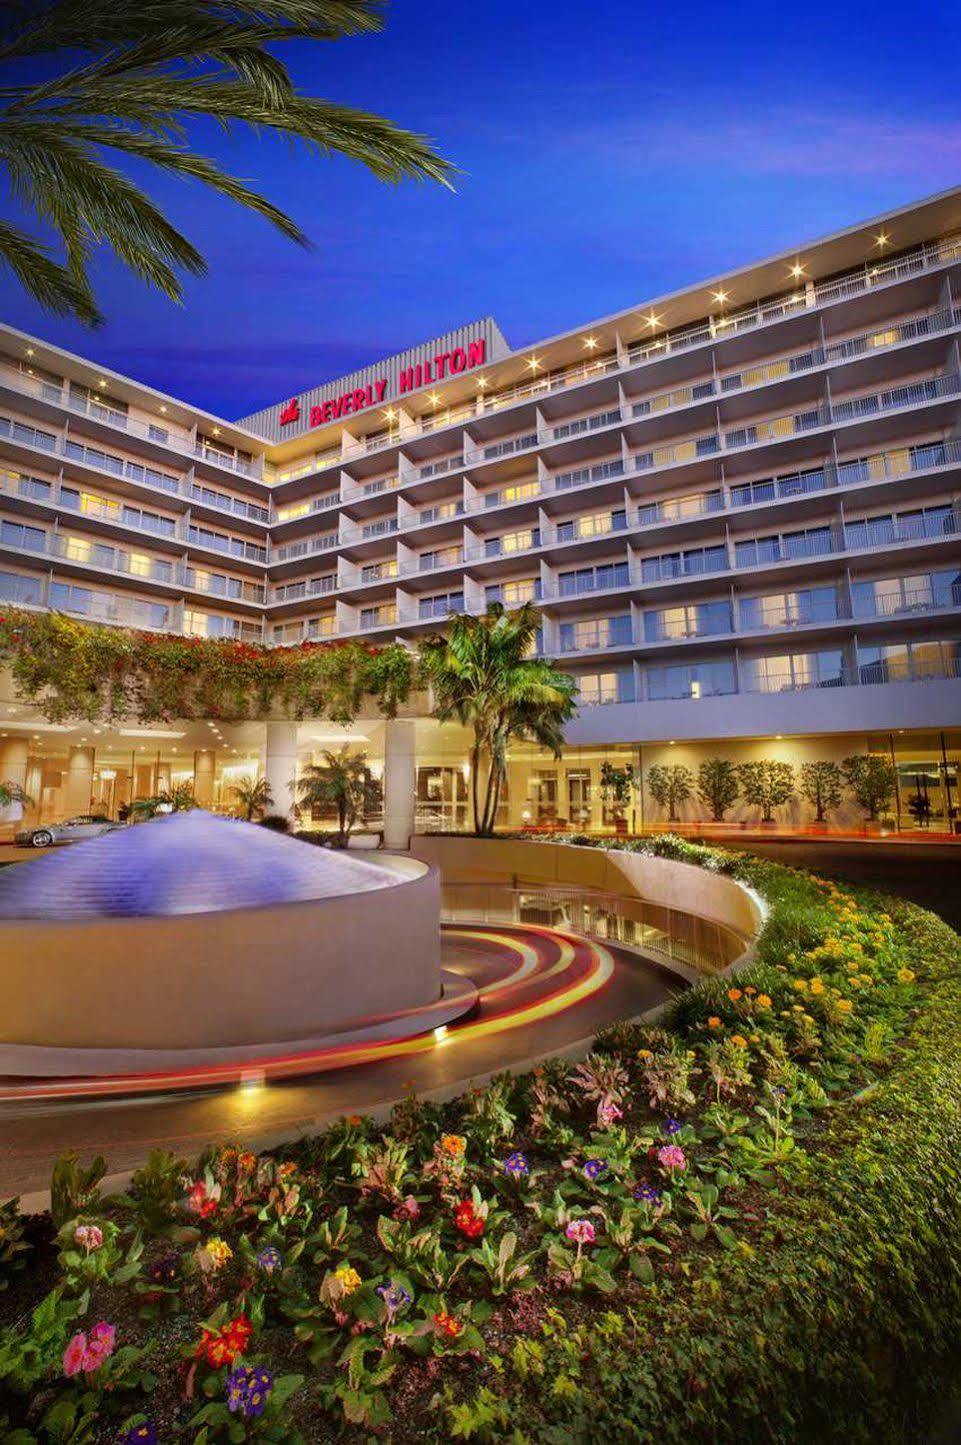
(411, 378)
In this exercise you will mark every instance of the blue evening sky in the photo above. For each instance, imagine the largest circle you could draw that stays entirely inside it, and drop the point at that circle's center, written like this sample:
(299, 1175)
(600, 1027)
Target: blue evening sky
(607, 155)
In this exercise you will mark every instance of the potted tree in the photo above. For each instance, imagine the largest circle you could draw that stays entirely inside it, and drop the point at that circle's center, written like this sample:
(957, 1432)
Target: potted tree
(821, 787)
(872, 780)
(617, 792)
(767, 785)
(717, 786)
(340, 782)
(670, 786)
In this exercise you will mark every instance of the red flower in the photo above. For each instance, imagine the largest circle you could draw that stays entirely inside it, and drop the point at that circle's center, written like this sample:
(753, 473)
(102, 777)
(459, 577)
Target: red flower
(468, 1221)
(221, 1347)
(449, 1325)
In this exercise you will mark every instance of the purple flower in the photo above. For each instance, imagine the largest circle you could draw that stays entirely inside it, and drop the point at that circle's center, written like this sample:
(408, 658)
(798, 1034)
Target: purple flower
(394, 1295)
(594, 1168)
(163, 1270)
(517, 1164)
(144, 1434)
(248, 1390)
(672, 1126)
(646, 1194)
(269, 1259)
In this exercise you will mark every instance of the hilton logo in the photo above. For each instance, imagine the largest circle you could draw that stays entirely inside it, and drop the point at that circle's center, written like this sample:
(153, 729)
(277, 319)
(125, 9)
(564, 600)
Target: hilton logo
(290, 412)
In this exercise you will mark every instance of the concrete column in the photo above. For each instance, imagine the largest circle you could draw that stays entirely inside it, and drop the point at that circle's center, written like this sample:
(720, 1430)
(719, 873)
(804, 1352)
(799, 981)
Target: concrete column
(78, 784)
(280, 766)
(400, 777)
(205, 763)
(14, 756)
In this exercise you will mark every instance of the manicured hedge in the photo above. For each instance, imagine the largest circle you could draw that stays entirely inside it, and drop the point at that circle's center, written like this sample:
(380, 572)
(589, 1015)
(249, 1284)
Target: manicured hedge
(742, 1225)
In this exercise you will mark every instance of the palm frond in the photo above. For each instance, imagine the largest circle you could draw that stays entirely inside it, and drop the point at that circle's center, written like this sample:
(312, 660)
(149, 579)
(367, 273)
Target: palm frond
(55, 286)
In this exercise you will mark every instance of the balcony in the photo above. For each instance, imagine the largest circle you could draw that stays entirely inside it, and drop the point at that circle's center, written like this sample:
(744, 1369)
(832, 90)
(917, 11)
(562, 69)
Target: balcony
(596, 636)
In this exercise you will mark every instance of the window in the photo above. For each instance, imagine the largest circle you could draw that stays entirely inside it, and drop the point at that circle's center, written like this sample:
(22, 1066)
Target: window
(440, 557)
(597, 688)
(17, 534)
(596, 524)
(440, 605)
(379, 571)
(596, 632)
(593, 579)
(378, 616)
(791, 671)
(15, 587)
(789, 609)
(521, 541)
(684, 564)
(514, 594)
(695, 680)
(696, 619)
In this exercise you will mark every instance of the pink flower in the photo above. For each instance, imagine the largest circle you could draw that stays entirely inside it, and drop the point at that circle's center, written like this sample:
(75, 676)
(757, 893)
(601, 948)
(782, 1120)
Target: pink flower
(73, 1355)
(88, 1236)
(581, 1231)
(608, 1112)
(672, 1156)
(407, 1209)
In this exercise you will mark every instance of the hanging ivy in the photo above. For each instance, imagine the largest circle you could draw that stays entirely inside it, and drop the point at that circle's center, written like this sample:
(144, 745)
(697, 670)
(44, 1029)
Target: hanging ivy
(78, 670)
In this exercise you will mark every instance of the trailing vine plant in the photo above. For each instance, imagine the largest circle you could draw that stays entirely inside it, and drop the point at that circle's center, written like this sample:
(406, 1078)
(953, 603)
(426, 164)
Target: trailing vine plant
(79, 670)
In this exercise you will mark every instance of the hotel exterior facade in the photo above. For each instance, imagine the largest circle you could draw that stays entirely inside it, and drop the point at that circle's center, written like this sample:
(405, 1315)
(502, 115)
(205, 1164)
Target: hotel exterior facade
(738, 508)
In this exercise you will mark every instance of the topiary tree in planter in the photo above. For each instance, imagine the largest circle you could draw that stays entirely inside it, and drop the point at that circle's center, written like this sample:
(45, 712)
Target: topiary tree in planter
(767, 785)
(872, 780)
(670, 786)
(717, 786)
(821, 786)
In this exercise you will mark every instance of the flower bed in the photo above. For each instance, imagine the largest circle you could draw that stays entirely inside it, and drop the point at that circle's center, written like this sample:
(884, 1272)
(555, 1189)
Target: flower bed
(739, 1225)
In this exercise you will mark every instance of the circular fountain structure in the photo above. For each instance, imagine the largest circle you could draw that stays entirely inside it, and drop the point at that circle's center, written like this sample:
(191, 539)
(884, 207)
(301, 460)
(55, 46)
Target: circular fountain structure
(193, 939)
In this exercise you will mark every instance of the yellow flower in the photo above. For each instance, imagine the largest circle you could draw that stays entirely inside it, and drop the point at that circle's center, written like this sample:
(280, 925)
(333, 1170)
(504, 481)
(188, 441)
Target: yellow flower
(739, 1041)
(906, 975)
(817, 985)
(763, 1001)
(845, 1006)
(348, 1278)
(800, 984)
(645, 1055)
(453, 1145)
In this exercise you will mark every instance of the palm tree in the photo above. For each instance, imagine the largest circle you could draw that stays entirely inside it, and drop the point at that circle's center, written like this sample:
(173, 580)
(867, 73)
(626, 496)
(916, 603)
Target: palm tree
(484, 677)
(340, 782)
(253, 795)
(127, 77)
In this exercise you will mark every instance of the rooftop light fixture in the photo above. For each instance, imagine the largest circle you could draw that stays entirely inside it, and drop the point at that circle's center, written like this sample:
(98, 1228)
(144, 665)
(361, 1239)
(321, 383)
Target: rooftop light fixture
(591, 342)
(653, 320)
(29, 350)
(720, 297)
(482, 382)
(216, 431)
(434, 399)
(797, 270)
(390, 413)
(881, 239)
(533, 363)
(101, 383)
(163, 408)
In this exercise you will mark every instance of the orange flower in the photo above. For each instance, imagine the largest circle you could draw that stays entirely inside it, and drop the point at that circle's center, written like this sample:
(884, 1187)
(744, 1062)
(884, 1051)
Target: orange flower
(734, 994)
(714, 1022)
(763, 1001)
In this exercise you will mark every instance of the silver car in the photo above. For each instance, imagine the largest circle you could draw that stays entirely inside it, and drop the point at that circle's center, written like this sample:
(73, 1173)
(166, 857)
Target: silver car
(85, 825)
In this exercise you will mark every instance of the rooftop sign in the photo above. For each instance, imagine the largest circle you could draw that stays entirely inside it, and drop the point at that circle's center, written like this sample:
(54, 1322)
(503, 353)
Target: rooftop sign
(386, 382)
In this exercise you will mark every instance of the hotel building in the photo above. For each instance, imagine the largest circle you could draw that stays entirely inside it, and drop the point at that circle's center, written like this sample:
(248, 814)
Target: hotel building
(737, 507)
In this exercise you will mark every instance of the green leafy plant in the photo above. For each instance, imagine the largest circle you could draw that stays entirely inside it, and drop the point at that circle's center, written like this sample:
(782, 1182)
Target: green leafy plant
(73, 1188)
(767, 785)
(343, 782)
(484, 677)
(718, 786)
(872, 780)
(670, 786)
(820, 785)
(253, 796)
(13, 1246)
(126, 83)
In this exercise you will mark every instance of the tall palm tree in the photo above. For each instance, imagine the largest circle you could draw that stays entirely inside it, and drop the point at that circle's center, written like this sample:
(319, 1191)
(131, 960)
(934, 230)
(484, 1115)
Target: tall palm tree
(340, 782)
(484, 677)
(126, 76)
(253, 795)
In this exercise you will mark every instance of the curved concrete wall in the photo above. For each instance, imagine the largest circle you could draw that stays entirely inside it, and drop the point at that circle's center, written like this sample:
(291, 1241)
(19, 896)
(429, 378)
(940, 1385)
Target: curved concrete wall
(204, 980)
(659, 880)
